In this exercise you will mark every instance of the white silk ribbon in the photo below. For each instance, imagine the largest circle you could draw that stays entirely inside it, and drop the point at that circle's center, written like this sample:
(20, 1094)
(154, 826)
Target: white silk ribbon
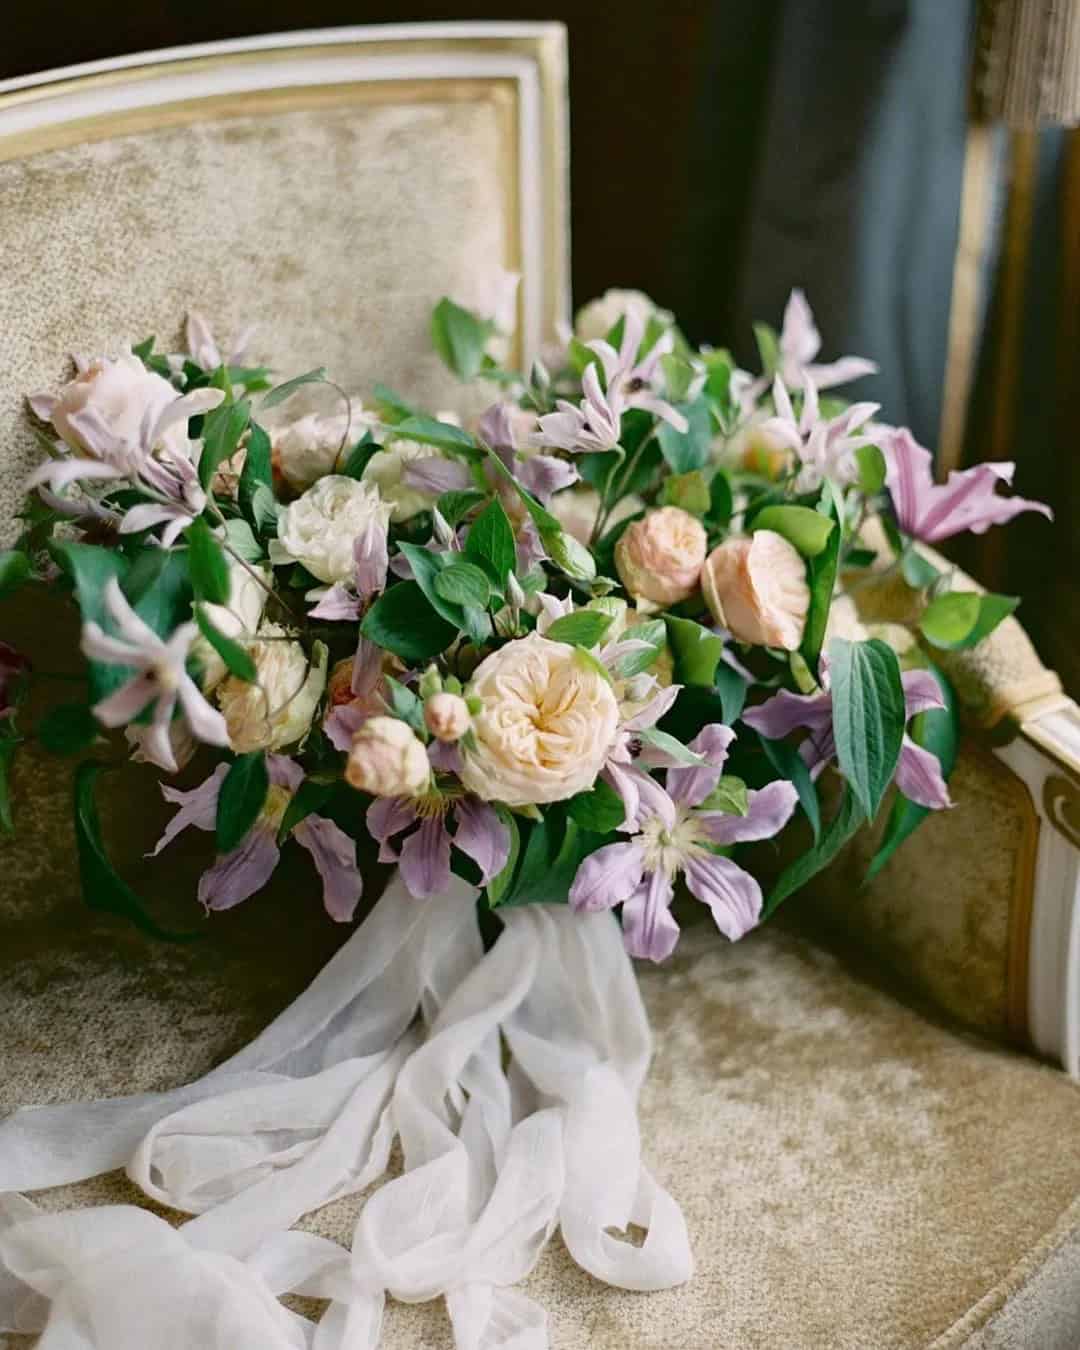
(496, 1154)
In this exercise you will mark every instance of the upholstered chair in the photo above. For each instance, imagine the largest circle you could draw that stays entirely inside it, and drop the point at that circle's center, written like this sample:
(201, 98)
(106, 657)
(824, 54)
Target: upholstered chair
(861, 1108)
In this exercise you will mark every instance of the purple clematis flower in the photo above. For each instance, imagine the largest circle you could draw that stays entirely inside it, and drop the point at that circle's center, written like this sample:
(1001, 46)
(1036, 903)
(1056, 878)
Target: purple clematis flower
(542, 475)
(160, 679)
(371, 560)
(204, 349)
(918, 772)
(424, 856)
(799, 343)
(239, 874)
(675, 835)
(824, 448)
(967, 501)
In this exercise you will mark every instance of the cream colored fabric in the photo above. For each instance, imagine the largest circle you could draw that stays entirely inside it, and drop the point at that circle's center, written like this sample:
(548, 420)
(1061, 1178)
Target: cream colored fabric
(852, 1174)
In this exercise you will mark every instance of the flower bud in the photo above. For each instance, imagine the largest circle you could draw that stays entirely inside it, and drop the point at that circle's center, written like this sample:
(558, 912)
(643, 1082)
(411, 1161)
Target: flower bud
(387, 759)
(659, 558)
(756, 587)
(447, 716)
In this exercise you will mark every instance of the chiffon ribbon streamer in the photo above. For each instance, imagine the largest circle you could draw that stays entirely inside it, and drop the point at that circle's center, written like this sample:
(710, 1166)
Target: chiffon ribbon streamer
(510, 1079)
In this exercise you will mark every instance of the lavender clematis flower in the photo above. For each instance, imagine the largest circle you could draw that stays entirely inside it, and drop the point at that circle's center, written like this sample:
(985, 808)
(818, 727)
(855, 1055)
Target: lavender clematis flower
(371, 561)
(824, 448)
(675, 835)
(918, 773)
(799, 343)
(542, 475)
(237, 875)
(160, 679)
(204, 350)
(967, 501)
(423, 857)
(171, 477)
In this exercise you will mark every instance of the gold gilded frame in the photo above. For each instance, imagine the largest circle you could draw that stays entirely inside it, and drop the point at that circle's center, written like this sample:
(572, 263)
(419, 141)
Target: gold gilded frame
(519, 69)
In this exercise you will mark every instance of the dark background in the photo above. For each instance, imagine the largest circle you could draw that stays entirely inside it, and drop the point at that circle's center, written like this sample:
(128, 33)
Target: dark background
(642, 77)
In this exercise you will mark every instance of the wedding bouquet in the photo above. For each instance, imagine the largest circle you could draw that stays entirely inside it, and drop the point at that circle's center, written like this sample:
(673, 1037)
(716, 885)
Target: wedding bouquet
(561, 652)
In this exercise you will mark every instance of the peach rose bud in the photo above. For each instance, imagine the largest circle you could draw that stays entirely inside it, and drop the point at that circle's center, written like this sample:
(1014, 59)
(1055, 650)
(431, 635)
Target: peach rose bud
(447, 716)
(388, 759)
(659, 557)
(756, 588)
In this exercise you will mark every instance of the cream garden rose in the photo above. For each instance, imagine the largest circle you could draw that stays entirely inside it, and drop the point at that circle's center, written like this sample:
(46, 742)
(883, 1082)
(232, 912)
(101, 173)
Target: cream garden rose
(320, 528)
(659, 557)
(277, 709)
(239, 618)
(756, 587)
(547, 720)
(388, 759)
(306, 450)
(119, 391)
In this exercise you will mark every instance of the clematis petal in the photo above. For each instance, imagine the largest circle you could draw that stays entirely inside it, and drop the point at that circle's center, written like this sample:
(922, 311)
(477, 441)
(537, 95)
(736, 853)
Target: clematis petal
(691, 786)
(608, 877)
(731, 893)
(198, 808)
(651, 713)
(799, 337)
(842, 371)
(482, 836)
(127, 702)
(370, 559)
(387, 816)
(649, 931)
(921, 692)
(918, 776)
(781, 714)
(435, 475)
(342, 723)
(60, 472)
(445, 756)
(157, 739)
(241, 873)
(99, 646)
(334, 856)
(425, 859)
(544, 475)
(206, 723)
(768, 810)
(131, 627)
(338, 604)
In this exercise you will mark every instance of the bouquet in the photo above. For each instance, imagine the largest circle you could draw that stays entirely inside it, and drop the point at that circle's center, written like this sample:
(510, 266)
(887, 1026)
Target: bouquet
(582, 649)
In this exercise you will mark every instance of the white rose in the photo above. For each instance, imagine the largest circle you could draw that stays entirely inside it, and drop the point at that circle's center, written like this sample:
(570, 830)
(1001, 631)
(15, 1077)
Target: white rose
(278, 708)
(386, 469)
(239, 618)
(546, 723)
(121, 392)
(388, 759)
(307, 449)
(599, 317)
(319, 528)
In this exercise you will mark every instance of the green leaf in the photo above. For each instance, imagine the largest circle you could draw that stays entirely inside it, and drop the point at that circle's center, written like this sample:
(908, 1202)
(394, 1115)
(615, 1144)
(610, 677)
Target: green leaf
(768, 345)
(221, 433)
(490, 542)
(102, 887)
(242, 541)
(455, 506)
(600, 810)
(696, 651)
(790, 765)
(651, 631)
(919, 572)
(265, 510)
(68, 729)
(721, 501)
(243, 792)
(357, 459)
(237, 658)
(459, 337)
(868, 716)
(158, 585)
(307, 800)
(860, 557)
(392, 407)
(583, 629)
(669, 745)
(90, 568)
(207, 564)
(569, 555)
(581, 357)
(463, 583)
(732, 689)
(961, 619)
(687, 450)
(808, 530)
(405, 704)
(283, 391)
(550, 861)
(14, 570)
(587, 661)
(428, 431)
(821, 577)
(871, 463)
(938, 731)
(257, 471)
(498, 886)
(689, 491)
(840, 830)
(426, 567)
(678, 375)
(477, 624)
(404, 622)
(730, 796)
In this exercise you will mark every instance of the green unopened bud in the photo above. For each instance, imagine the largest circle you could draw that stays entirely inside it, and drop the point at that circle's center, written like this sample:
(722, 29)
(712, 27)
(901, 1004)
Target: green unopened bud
(539, 377)
(569, 555)
(430, 683)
